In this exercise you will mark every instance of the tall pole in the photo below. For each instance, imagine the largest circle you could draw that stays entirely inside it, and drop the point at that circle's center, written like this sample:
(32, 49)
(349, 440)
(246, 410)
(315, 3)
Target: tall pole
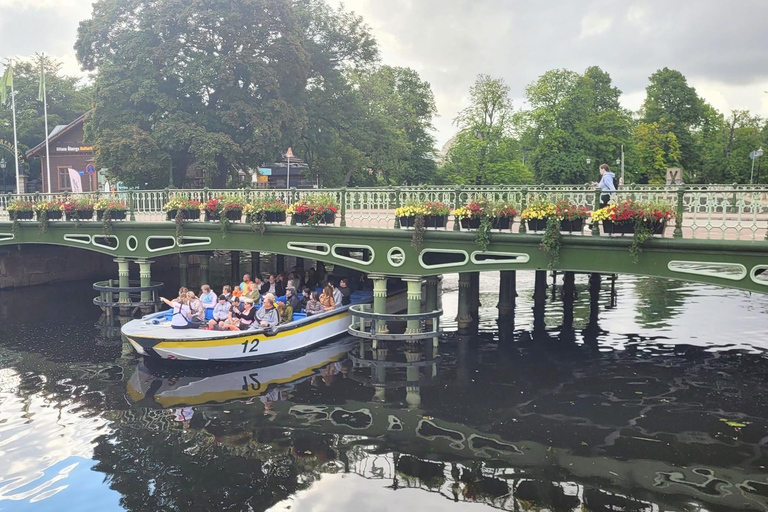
(288, 180)
(752, 173)
(622, 164)
(45, 115)
(15, 141)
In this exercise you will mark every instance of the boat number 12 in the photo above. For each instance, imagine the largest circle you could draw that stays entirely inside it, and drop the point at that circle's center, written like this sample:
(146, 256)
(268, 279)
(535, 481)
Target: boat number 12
(250, 346)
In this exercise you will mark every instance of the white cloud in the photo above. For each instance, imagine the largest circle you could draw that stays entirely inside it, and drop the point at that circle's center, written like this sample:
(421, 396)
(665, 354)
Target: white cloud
(595, 25)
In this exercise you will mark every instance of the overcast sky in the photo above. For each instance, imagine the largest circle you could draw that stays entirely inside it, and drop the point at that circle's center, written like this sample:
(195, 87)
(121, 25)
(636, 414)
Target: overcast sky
(719, 46)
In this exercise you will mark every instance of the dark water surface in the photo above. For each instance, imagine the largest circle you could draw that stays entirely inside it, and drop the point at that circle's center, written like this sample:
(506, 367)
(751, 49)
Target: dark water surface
(653, 400)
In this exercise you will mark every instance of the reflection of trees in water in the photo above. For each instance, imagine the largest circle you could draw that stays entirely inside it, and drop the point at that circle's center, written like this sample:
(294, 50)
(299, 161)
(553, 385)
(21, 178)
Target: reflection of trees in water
(658, 300)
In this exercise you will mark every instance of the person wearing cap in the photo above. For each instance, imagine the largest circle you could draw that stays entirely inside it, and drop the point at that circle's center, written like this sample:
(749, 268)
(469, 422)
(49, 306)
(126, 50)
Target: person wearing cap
(267, 316)
(220, 312)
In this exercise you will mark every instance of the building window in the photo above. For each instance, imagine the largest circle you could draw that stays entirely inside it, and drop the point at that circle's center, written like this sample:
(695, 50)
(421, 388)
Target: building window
(64, 183)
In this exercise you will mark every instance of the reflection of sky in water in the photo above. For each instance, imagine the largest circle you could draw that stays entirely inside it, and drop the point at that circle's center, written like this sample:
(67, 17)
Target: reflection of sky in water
(46, 449)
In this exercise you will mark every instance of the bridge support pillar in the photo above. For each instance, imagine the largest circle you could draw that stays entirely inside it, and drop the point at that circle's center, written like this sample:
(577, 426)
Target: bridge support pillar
(414, 303)
(183, 268)
(321, 269)
(474, 296)
(432, 296)
(592, 330)
(255, 264)
(380, 298)
(205, 277)
(540, 286)
(464, 318)
(569, 292)
(381, 374)
(506, 305)
(145, 280)
(300, 265)
(279, 264)
(234, 259)
(123, 275)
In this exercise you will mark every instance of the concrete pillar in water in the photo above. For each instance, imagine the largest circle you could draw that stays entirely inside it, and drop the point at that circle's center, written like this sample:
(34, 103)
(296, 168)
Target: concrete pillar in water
(255, 264)
(414, 303)
(540, 288)
(183, 267)
(592, 330)
(413, 374)
(234, 276)
(539, 305)
(123, 275)
(569, 290)
(432, 301)
(205, 277)
(506, 305)
(279, 264)
(464, 318)
(145, 279)
(380, 376)
(474, 296)
(380, 299)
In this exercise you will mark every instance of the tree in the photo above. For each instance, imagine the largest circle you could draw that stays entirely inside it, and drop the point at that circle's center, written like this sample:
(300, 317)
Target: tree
(484, 151)
(68, 99)
(656, 150)
(573, 118)
(677, 108)
(213, 87)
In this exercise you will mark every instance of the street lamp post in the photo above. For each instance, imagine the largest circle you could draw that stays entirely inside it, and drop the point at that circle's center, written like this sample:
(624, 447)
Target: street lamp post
(754, 155)
(2, 168)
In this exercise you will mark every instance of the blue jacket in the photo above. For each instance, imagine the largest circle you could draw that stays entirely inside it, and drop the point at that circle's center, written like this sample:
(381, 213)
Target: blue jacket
(606, 183)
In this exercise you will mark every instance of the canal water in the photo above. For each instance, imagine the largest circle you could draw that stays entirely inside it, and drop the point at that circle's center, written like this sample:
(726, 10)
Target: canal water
(649, 397)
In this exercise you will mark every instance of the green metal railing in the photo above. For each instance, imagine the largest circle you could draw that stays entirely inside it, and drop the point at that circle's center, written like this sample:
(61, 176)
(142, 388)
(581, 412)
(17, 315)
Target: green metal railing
(722, 212)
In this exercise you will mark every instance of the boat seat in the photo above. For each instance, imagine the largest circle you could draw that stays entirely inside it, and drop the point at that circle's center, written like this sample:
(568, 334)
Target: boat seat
(209, 313)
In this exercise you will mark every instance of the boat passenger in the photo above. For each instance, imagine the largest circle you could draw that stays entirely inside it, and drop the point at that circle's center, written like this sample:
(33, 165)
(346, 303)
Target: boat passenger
(236, 291)
(198, 311)
(267, 316)
(233, 319)
(183, 292)
(305, 296)
(285, 311)
(273, 286)
(326, 299)
(309, 279)
(182, 315)
(313, 306)
(337, 296)
(346, 292)
(248, 315)
(207, 297)
(220, 312)
(246, 280)
(292, 299)
(227, 292)
(252, 292)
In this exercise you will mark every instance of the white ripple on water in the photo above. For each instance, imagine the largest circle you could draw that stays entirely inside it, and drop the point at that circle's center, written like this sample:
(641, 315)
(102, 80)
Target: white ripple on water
(38, 435)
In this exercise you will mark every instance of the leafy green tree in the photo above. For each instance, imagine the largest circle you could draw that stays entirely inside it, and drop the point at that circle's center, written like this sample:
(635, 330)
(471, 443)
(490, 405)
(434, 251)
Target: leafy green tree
(677, 108)
(213, 87)
(484, 151)
(68, 99)
(655, 150)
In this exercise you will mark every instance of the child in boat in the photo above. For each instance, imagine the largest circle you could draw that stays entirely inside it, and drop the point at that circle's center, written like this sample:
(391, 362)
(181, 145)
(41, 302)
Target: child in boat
(220, 312)
(207, 297)
(267, 316)
(313, 306)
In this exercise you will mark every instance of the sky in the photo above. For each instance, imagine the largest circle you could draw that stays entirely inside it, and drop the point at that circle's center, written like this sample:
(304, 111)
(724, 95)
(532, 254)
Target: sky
(719, 46)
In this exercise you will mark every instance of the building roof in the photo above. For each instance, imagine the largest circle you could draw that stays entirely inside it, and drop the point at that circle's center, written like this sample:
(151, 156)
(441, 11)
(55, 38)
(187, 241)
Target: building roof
(57, 132)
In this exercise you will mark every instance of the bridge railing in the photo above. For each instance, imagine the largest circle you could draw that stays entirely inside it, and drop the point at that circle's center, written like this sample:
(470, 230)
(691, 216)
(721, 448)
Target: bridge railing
(725, 212)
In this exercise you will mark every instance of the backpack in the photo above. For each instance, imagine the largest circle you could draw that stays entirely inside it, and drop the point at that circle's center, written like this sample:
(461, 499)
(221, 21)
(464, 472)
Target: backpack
(615, 182)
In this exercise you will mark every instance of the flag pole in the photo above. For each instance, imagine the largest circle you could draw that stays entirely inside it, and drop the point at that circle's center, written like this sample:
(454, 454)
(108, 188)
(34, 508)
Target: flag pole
(45, 115)
(15, 140)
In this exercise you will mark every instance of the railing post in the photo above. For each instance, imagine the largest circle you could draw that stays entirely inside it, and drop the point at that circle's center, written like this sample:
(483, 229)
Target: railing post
(397, 205)
(678, 233)
(523, 206)
(595, 225)
(291, 200)
(456, 205)
(343, 222)
(131, 209)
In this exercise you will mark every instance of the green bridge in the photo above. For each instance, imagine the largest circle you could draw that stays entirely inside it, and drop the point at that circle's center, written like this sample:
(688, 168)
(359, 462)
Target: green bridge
(719, 236)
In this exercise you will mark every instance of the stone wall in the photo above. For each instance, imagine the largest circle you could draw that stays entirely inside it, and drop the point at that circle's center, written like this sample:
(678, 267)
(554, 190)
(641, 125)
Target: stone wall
(32, 265)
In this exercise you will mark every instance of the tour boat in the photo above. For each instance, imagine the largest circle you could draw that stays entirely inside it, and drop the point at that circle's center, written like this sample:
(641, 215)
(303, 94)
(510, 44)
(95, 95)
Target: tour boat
(153, 336)
(155, 388)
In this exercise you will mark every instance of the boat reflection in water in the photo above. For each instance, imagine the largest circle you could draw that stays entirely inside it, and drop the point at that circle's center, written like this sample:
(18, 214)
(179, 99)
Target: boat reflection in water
(153, 384)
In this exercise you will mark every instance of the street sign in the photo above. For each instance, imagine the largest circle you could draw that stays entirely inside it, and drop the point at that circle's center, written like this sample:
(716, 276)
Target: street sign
(90, 169)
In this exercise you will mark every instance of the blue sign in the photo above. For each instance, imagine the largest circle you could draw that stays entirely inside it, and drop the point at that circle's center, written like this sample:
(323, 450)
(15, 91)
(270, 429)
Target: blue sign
(82, 173)
(90, 169)
(264, 171)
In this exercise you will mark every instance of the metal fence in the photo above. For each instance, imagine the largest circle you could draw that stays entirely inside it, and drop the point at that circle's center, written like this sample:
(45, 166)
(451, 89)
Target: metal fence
(724, 212)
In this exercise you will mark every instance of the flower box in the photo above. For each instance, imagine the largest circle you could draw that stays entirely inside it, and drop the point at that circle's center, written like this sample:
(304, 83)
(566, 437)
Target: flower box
(234, 215)
(572, 226)
(79, 215)
(212, 216)
(21, 215)
(51, 215)
(537, 224)
(501, 223)
(185, 214)
(470, 223)
(113, 214)
(430, 221)
(628, 228)
(326, 218)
